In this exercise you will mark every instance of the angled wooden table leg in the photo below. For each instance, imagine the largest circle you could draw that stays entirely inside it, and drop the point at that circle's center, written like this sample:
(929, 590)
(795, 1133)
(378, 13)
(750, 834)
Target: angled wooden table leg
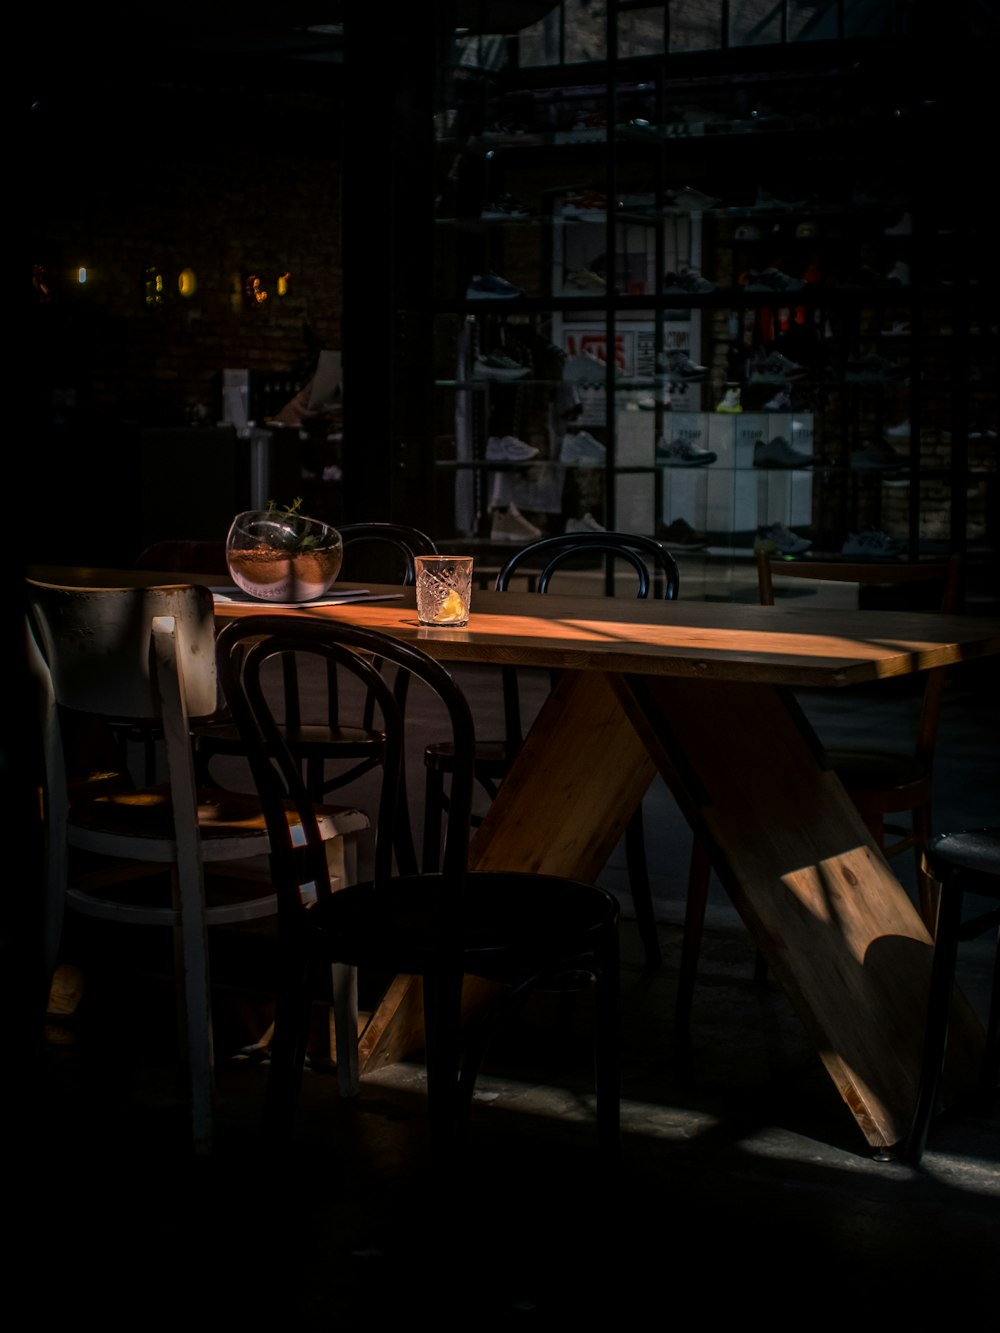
(835, 925)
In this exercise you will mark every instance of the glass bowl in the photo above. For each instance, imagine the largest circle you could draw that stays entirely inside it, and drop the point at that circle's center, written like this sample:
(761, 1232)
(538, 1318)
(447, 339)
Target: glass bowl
(283, 557)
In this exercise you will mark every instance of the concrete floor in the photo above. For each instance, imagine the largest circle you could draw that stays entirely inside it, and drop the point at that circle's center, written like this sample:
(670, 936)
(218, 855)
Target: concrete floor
(745, 1188)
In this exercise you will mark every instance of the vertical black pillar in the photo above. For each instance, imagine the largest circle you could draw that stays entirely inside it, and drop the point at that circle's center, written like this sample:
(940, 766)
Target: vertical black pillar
(390, 66)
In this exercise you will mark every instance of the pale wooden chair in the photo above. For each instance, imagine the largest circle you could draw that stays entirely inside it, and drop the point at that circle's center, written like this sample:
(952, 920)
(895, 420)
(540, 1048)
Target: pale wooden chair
(142, 856)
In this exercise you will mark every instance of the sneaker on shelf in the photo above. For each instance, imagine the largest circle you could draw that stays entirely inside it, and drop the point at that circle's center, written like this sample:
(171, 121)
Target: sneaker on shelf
(682, 453)
(779, 540)
(689, 200)
(512, 526)
(901, 430)
(649, 402)
(781, 402)
(584, 280)
(872, 545)
(588, 523)
(772, 280)
(873, 369)
(730, 402)
(587, 206)
(508, 449)
(584, 369)
(900, 272)
(582, 450)
(504, 208)
(498, 366)
(687, 282)
(491, 287)
(680, 536)
(876, 454)
(678, 365)
(900, 328)
(779, 453)
(773, 368)
(904, 227)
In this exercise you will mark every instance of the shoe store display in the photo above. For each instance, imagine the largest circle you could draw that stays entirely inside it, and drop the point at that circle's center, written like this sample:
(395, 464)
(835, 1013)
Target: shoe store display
(773, 368)
(680, 536)
(649, 403)
(872, 545)
(900, 273)
(498, 366)
(588, 523)
(772, 280)
(779, 540)
(781, 402)
(679, 365)
(900, 328)
(901, 431)
(874, 369)
(582, 450)
(510, 525)
(491, 287)
(682, 453)
(779, 453)
(687, 282)
(509, 449)
(730, 401)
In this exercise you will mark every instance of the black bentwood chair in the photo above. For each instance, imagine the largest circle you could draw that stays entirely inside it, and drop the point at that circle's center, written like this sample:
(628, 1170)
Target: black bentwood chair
(333, 754)
(521, 930)
(656, 574)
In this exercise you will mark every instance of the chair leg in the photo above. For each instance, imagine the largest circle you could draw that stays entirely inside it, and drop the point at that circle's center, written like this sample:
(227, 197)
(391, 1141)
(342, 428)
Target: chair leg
(699, 875)
(442, 1036)
(642, 893)
(607, 1056)
(936, 1029)
(194, 1003)
(344, 980)
(927, 887)
(292, 1009)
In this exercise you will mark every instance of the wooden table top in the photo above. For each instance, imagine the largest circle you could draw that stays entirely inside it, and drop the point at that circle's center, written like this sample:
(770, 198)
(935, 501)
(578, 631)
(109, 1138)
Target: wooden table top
(778, 645)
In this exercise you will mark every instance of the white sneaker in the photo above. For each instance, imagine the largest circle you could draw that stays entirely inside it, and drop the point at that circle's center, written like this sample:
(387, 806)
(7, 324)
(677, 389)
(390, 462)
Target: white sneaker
(512, 526)
(901, 431)
(779, 540)
(730, 402)
(586, 524)
(498, 366)
(582, 450)
(509, 449)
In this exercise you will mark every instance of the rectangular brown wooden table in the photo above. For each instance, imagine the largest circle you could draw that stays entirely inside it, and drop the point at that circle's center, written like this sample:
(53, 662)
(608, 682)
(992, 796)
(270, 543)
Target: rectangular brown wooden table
(700, 692)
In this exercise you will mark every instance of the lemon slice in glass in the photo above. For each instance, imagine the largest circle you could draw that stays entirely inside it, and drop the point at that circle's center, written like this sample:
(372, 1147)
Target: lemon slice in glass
(452, 608)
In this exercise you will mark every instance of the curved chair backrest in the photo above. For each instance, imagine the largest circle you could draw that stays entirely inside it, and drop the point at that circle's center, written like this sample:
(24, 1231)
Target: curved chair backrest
(97, 645)
(244, 648)
(402, 543)
(655, 568)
